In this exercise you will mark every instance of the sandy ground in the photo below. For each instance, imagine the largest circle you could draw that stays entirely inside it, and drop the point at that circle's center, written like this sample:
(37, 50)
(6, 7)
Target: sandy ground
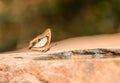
(86, 42)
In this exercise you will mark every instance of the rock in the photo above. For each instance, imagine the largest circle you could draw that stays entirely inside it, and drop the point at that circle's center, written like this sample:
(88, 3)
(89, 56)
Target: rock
(21, 68)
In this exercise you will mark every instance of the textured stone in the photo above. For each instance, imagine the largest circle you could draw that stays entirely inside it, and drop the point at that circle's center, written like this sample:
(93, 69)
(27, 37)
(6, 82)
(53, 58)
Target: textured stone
(19, 70)
(25, 66)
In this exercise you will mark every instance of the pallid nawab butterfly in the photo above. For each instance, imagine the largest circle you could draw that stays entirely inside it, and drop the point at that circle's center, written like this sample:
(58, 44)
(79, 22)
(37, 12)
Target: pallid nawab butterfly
(41, 42)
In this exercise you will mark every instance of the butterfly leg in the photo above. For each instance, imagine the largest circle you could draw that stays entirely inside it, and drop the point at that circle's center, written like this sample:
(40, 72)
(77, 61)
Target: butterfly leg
(45, 50)
(49, 47)
(41, 50)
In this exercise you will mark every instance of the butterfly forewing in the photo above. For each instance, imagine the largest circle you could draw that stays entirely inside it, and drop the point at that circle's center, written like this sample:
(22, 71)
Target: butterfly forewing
(41, 42)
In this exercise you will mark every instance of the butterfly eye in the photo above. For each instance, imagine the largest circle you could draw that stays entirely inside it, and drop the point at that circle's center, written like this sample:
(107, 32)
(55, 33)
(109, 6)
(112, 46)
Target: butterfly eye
(39, 40)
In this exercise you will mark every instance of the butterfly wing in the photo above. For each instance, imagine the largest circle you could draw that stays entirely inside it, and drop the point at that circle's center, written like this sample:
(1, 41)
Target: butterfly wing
(41, 43)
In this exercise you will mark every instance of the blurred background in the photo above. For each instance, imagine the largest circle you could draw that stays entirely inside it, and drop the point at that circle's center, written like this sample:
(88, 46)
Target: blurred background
(22, 20)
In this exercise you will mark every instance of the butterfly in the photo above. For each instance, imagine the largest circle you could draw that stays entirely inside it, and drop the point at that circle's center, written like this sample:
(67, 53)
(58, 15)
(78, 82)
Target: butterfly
(41, 42)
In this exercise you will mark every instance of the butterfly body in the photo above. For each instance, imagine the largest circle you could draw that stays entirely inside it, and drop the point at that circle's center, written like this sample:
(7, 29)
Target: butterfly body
(42, 42)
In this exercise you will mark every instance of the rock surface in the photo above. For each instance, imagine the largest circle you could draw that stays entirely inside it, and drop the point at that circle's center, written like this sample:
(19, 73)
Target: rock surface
(23, 66)
(14, 69)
